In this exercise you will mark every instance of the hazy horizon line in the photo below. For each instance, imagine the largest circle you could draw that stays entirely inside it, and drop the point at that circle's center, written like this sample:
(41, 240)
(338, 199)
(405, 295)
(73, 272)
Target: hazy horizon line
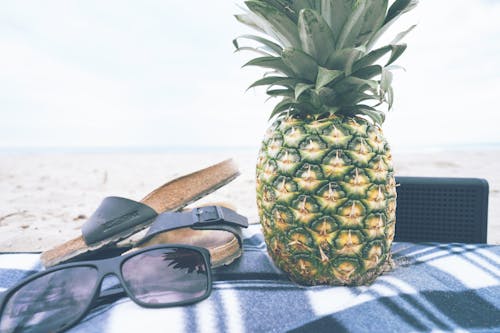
(214, 148)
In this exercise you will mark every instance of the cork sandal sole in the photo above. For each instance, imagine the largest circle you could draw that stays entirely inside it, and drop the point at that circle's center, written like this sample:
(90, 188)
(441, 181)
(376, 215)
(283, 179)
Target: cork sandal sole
(224, 248)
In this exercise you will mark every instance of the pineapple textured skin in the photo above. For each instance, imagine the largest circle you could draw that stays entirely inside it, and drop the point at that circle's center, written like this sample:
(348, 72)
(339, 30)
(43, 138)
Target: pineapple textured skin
(326, 197)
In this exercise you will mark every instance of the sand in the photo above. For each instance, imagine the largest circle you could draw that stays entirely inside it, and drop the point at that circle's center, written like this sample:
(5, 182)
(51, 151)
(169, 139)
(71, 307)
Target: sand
(46, 197)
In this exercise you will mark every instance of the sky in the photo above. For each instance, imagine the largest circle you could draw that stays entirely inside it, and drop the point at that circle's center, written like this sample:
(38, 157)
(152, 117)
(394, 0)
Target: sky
(164, 74)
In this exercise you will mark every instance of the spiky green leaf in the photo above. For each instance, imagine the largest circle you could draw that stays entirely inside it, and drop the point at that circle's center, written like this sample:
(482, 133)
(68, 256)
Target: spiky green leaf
(375, 55)
(327, 95)
(301, 88)
(275, 63)
(260, 51)
(307, 108)
(281, 26)
(368, 72)
(390, 97)
(284, 7)
(374, 17)
(366, 97)
(371, 57)
(355, 55)
(284, 105)
(288, 82)
(315, 35)
(354, 84)
(327, 11)
(280, 92)
(247, 19)
(402, 35)
(335, 13)
(352, 26)
(397, 51)
(385, 80)
(259, 23)
(350, 98)
(326, 76)
(398, 8)
(344, 59)
(298, 5)
(302, 64)
(376, 115)
(265, 81)
(314, 99)
(273, 46)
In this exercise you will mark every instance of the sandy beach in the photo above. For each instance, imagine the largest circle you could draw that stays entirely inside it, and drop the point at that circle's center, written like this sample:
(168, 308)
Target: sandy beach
(45, 197)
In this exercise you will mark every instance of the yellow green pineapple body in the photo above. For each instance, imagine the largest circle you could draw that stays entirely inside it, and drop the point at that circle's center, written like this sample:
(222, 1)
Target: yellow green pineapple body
(325, 182)
(326, 199)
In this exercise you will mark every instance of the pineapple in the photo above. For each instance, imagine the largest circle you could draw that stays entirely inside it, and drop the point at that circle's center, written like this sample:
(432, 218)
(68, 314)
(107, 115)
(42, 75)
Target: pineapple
(325, 181)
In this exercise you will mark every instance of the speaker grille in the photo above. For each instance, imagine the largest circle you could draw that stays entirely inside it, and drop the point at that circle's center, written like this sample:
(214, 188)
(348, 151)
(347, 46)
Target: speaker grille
(441, 210)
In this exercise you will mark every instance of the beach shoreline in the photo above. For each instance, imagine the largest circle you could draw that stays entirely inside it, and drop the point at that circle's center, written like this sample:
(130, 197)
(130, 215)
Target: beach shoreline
(46, 197)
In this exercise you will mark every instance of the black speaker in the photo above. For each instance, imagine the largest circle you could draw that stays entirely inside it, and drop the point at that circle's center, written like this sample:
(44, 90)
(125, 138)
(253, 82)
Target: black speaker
(444, 210)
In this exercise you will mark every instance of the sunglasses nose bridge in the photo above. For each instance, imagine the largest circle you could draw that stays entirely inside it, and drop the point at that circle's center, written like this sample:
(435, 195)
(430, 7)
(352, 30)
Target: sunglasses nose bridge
(109, 268)
(111, 284)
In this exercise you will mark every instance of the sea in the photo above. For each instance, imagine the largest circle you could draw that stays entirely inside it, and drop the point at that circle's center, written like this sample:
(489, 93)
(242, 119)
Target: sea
(401, 148)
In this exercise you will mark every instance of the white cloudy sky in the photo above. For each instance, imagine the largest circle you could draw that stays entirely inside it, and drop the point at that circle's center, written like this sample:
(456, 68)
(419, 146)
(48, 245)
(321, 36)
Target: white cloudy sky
(163, 73)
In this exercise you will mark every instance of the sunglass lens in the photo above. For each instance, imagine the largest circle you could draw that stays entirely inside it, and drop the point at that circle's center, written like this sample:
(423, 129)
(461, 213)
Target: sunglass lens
(167, 276)
(51, 302)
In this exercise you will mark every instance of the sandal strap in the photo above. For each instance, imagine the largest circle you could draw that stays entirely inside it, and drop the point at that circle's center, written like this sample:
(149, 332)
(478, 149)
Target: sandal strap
(201, 218)
(116, 215)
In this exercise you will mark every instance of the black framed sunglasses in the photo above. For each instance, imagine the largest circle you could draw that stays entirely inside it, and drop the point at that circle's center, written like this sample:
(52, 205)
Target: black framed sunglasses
(56, 299)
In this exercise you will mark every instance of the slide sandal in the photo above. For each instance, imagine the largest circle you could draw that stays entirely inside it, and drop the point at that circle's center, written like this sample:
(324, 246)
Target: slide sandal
(119, 218)
(214, 227)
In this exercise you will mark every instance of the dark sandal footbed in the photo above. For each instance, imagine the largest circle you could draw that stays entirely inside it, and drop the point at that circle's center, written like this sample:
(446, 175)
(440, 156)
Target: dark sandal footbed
(118, 218)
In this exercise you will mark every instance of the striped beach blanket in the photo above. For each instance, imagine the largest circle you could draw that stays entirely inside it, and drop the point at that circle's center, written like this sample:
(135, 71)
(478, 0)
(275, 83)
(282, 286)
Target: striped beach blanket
(433, 288)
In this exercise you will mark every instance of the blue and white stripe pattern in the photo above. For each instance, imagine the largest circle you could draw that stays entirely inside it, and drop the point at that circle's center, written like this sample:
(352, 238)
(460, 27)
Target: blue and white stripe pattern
(434, 288)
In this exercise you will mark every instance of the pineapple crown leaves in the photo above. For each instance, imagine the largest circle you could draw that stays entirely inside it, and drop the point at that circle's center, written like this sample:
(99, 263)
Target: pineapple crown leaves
(322, 56)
